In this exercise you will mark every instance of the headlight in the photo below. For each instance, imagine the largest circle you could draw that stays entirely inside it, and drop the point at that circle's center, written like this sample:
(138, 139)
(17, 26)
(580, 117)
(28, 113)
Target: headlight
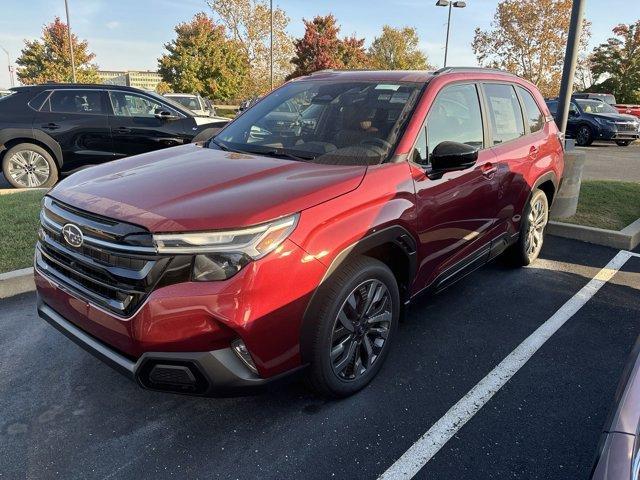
(222, 254)
(606, 123)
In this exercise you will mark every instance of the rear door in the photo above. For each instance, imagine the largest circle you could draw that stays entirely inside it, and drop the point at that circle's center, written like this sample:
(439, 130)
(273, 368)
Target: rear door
(136, 125)
(514, 151)
(77, 119)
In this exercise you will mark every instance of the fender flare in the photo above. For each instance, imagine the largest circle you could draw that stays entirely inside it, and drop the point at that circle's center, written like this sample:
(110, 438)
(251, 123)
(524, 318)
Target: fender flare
(545, 177)
(395, 234)
(8, 134)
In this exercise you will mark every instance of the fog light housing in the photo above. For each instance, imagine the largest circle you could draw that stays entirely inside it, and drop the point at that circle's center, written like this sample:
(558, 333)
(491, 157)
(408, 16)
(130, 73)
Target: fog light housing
(218, 266)
(241, 350)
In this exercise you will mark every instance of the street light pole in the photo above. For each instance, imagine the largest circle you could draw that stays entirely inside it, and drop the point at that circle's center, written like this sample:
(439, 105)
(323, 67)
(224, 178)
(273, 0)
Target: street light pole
(446, 45)
(73, 62)
(271, 43)
(570, 60)
(11, 82)
(450, 4)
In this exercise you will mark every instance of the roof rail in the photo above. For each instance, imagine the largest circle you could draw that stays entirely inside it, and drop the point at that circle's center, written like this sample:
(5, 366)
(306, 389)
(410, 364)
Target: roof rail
(471, 69)
(318, 72)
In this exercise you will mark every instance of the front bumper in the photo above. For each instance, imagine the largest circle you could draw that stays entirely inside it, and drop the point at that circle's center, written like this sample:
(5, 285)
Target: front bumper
(214, 373)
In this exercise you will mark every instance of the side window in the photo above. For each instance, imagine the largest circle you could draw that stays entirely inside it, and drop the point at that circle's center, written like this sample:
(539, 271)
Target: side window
(533, 114)
(573, 109)
(420, 150)
(131, 105)
(455, 116)
(505, 112)
(74, 101)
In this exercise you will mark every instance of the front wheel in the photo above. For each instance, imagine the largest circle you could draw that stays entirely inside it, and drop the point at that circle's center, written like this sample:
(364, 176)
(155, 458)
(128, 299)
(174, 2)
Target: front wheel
(534, 221)
(355, 324)
(623, 143)
(584, 136)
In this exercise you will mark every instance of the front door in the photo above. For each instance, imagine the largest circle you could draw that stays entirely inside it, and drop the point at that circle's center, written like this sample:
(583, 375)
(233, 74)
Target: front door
(78, 121)
(136, 128)
(456, 213)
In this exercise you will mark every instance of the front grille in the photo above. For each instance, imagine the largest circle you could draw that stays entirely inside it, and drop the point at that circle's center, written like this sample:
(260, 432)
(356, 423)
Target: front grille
(627, 127)
(115, 268)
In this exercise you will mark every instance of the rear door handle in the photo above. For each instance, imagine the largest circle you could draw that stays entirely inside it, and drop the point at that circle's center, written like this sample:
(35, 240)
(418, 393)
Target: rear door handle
(123, 130)
(51, 126)
(533, 152)
(488, 169)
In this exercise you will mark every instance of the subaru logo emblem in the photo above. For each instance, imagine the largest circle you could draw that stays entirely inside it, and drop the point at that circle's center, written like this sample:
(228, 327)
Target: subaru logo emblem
(72, 235)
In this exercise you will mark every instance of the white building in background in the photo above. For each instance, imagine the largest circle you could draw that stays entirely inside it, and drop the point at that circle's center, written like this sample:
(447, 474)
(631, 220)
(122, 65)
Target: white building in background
(146, 80)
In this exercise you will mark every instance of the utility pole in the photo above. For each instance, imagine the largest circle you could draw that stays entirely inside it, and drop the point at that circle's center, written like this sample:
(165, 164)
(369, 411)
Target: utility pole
(73, 62)
(11, 82)
(570, 60)
(271, 42)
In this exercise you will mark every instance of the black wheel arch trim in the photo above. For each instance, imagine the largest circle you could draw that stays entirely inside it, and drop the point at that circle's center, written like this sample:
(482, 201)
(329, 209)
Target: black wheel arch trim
(544, 178)
(9, 134)
(395, 234)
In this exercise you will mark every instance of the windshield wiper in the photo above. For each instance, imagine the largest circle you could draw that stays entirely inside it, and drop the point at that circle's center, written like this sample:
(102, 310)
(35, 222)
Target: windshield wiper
(284, 154)
(223, 147)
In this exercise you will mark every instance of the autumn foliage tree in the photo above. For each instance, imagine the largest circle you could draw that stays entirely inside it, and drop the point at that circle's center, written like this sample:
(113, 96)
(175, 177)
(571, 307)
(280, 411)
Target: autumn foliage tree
(618, 59)
(49, 58)
(248, 22)
(529, 38)
(203, 60)
(321, 48)
(397, 49)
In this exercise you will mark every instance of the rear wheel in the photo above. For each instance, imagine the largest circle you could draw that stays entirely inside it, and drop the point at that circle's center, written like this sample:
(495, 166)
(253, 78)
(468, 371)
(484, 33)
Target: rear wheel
(534, 221)
(623, 143)
(584, 136)
(29, 166)
(354, 328)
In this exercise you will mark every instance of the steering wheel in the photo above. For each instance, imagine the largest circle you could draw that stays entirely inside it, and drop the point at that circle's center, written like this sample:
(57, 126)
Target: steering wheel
(377, 142)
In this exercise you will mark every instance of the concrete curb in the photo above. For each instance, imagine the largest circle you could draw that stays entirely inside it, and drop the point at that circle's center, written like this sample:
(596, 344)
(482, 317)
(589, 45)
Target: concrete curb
(9, 191)
(626, 239)
(16, 282)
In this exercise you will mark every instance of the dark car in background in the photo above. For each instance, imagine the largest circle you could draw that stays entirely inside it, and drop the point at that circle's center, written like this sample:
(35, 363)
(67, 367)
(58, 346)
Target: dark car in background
(50, 129)
(593, 119)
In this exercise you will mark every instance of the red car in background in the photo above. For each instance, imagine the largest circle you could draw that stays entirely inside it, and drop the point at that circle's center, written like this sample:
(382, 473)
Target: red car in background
(293, 242)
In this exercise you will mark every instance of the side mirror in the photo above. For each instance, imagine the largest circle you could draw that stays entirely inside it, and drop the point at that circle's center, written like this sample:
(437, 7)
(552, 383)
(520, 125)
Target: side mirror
(165, 115)
(452, 156)
(573, 113)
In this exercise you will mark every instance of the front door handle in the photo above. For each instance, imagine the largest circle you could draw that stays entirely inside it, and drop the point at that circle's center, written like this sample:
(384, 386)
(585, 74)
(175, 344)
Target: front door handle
(51, 126)
(488, 169)
(123, 130)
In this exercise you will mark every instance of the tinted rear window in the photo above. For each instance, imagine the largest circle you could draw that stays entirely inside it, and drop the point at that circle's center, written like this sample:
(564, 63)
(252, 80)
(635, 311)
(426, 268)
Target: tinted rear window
(532, 111)
(505, 112)
(74, 101)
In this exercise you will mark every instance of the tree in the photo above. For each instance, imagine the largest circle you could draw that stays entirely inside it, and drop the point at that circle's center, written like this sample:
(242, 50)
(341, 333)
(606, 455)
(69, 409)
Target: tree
(249, 23)
(397, 49)
(203, 60)
(529, 38)
(320, 48)
(49, 59)
(163, 87)
(618, 59)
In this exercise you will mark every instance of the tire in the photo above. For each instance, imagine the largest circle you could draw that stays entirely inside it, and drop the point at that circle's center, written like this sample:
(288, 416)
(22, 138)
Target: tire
(29, 166)
(623, 143)
(344, 361)
(526, 250)
(584, 136)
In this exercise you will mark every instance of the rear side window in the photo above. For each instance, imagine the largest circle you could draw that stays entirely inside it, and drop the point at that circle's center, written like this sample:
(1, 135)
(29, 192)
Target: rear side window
(505, 112)
(455, 116)
(74, 101)
(532, 111)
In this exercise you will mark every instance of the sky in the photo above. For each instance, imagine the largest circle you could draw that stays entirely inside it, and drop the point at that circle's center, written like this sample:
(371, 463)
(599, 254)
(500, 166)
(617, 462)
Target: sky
(130, 34)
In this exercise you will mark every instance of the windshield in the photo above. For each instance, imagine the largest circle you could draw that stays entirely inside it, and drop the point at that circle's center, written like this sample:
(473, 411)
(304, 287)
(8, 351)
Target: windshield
(190, 102)
(595, 106)
(169, 101)
(340, 123)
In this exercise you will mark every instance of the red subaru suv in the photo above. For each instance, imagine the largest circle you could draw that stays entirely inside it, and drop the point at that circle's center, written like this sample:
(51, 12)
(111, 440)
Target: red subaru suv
(294, 238)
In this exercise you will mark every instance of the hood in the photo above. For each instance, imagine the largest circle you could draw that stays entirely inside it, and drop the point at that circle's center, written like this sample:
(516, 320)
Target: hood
(615, 117)
(191, 188)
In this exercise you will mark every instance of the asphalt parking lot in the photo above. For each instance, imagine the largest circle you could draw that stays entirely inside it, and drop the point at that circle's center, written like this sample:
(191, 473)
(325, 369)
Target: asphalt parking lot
(66, 415)
(607, 161)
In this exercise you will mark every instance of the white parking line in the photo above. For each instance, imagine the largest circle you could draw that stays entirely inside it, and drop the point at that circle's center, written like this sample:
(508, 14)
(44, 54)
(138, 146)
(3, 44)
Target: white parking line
(441, 432)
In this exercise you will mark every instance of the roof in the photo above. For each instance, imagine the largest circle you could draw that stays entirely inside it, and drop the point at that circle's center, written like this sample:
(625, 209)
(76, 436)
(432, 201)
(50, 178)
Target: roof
(419, 76)
(60, 86)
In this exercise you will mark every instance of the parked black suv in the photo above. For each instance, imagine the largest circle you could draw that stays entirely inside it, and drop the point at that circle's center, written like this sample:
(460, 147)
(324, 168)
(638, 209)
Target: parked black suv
(46, 130)
(592, 119)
